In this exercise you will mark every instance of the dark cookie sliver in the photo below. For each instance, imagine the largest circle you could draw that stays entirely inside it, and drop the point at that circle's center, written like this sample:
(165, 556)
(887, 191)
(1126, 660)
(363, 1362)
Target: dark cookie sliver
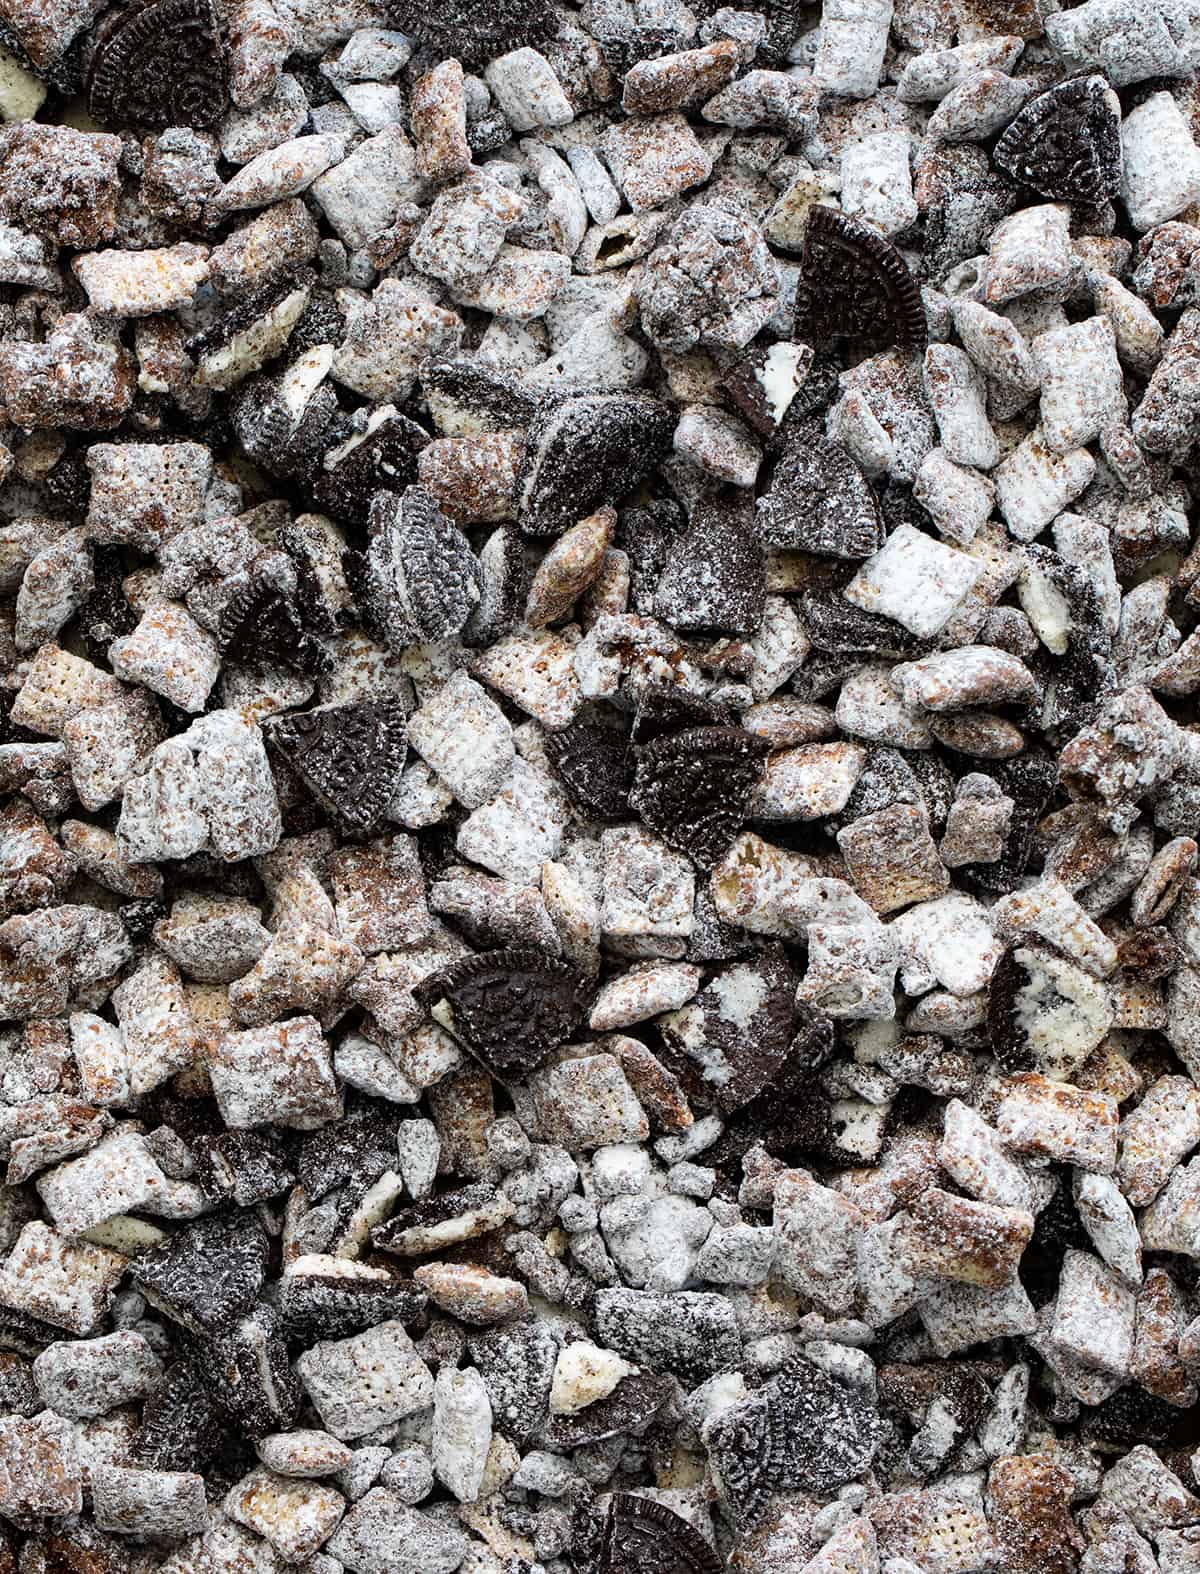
(1066, 143)
(476, 30)
(641, 1534)
(418, 579)
(140, 917)
(1007, 1036)
(511, 1008)
(629, 1408)
(839, 628)
(648, 536)
(249, 309)
(742, 1048)
(467, 398)
(739, 1446)
(106, 614)
(695, 788)
(855, 285)
(315, 1306)
(247, 1372)
(662, 711)
(245, 1166)
(181, 1428)
(820, 501)
(516, 1362)
(159, 63)
(595, 767)
(208, 1274)
(262, 623)
(349, 756)
(358, 1150)
(383, 458)
(586, 451)
(267, 428)
(716, 574)
(503, 582)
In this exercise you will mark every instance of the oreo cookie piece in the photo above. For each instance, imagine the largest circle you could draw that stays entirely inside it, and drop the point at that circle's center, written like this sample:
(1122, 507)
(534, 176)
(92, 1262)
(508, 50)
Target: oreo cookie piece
(595, 767)
(1029, 780)
(248, 1374)
(466, 399)
(629, 1408)
(181, 1428)
(159, 63)
(802, 1431)
(586, 451)
(356, 1149)
(736, 1034)
(284, 423)
(315, 1306)
(695, 788)
(208, 1274)
(838, 627)
(516, 1361)
(1066, 143)
(855, 285)
(382, 457)
(418, 579)
(820, 501)
(716, 574)
(106, 614)
(350, 757)
(502, 589)
(661, 711)
(511, 1007)
(640, 1534)
(263, 622)
(476, 31)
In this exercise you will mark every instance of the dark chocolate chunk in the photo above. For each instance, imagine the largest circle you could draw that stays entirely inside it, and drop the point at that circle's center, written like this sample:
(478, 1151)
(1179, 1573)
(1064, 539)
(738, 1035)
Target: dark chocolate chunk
(516, 1362)
(586, 451)
(511, 1008)
(1057, 1230)
(629, 1408)
(326, 1306)
(208, 1274)
(349, 756)
(140, 917)
(695, 788)
(106, 614)
(418, 579)
(716, 574)
(159, 63)
(855, 285)
(380, 458)
(595, 766)
(642, 1534)
(1066, 143)
(819, 500)
(181, 1427)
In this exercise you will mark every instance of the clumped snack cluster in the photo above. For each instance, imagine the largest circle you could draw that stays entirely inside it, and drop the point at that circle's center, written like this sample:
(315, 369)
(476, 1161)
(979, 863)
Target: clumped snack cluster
(599, 923)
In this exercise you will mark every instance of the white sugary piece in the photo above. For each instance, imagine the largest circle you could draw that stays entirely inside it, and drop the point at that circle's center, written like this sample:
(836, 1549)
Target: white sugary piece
(1110, 1222)
(958, 500)
(998, 349)
(643, 991)
(462, 1431)
(382, 1535)
(1063, 1013)
(388, 337)
(952, 938)
(869, 707)
(1082, 387)
(1003, 1431)
(1156, 1135)
(275, 118)
(472, 1294)
(83, 1378)
(978, 106)
(1172, 1221)
(655, 1242)
(856, 426)
(518, 830)
(1128, 40)
(1030, 250)
(886, 1289)
(140, 283)
(877, 181)
(1053, 1120)
(365, 1066)
(366, 1381)
(1093, 1315)
(527, 91)
(100, 1056)
(535, 668)
(297, 1517)
(464, 232)
(143, 494)
(597, 356)
(1146, 1490)
(280, 1075)
(957, 396)
(654, 158)
(1048, 910)
(971, 675)
(64, 1283)
(595, 183)
(914, 580)
(973, 1156)
(772, 890)
(808, 782)
(851, 970)
(587, 1103)
(566, 211)
(521, 284)
(957, 1316)
(648, 888)
(1139, 334)
(148, 1503)
(21, 93)
(932, 73)
(375, 105)
(463, 735)
(118, 1175)
(719, 444)
(302, 1453)
(282, 171)
(1161, 162)
(169, 653)
(159, 1033)
(1035, 483)
(56, 584)
(816, 1241)
(850, 51)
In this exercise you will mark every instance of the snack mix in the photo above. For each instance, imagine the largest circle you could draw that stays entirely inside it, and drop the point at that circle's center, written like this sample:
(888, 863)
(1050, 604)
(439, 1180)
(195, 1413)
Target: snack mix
(599, 787)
